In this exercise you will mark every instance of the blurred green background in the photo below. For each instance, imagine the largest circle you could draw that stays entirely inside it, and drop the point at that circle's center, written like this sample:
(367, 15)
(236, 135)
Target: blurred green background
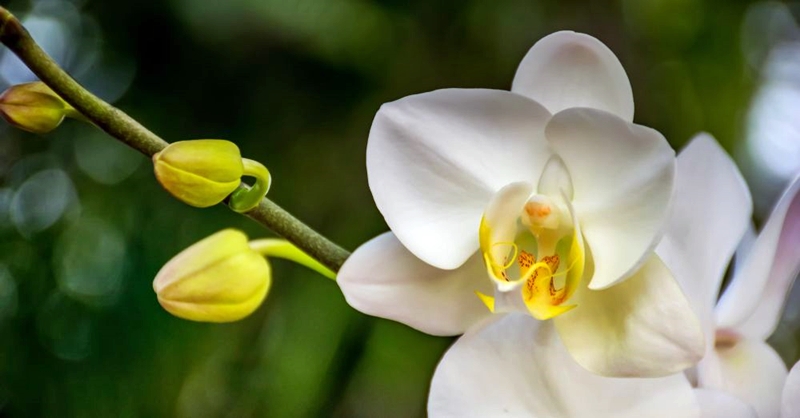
(84, 227)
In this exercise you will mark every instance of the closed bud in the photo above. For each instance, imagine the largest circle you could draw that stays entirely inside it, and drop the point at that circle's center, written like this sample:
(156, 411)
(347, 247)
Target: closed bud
(218, 279)
(201, 172)
(34, 107)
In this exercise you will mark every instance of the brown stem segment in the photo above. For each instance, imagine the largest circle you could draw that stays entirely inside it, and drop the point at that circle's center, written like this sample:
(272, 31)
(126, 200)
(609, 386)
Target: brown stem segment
(126, 129)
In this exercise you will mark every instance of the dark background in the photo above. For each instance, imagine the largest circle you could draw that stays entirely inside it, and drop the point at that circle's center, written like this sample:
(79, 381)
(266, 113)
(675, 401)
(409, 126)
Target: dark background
(84, 227)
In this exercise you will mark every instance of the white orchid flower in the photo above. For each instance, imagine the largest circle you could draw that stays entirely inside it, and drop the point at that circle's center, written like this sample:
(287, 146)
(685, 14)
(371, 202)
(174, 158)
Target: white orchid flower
(545, 200)
(711, 215)
(518, 367)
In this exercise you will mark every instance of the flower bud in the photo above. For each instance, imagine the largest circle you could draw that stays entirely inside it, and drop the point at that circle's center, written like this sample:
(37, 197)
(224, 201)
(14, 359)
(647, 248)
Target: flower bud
(201, 172)
(33, 107)
(218, 279)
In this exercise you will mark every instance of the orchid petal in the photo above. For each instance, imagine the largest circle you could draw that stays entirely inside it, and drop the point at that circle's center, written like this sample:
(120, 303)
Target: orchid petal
(435, 159)
(745, 245)
(517, 367)
(568, 69)
(382, 278)
(754, 301)
(711, 212)
(752, 371)
(623, 177)
(718, 404)
(790, 403)
(642, 327)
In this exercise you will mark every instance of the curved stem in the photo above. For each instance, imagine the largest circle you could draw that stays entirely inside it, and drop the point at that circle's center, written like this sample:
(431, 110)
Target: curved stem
(273, 247)
(244, 199)
(127, 130)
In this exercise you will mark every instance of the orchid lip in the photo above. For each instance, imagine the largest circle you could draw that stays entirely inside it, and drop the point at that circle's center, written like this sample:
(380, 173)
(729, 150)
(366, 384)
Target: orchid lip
(535, 250)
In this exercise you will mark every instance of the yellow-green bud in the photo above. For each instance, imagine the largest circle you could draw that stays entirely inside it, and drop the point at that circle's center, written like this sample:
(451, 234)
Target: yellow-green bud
(201, 172)
(33, 107)
(218, 279)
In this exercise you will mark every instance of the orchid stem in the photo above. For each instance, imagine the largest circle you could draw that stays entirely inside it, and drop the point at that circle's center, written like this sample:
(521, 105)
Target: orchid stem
(245, 199)
(273, 247)
(127, 130)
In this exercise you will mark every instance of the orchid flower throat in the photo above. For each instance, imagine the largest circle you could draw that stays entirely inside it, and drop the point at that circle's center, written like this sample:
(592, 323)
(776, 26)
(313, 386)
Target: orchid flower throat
(542, 259)
(726, 338)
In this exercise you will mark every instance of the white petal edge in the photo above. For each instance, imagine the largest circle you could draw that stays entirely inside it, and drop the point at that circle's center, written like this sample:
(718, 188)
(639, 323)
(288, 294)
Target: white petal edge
(711, 211)
(568, 69)
(435, 159)
(643, 327)
(517, 367)
(790, 399)
(623, 176)
(718, 404)
(745, 246)
(382, 278)
(752, 371)
(754, 301)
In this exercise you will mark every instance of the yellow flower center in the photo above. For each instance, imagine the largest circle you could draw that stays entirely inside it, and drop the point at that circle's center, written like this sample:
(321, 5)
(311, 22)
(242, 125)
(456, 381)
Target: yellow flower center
(542, 261)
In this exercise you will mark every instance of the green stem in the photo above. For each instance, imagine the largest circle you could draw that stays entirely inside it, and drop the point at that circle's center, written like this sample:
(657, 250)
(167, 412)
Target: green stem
(245, 199)
(127, 130)
(273, 247)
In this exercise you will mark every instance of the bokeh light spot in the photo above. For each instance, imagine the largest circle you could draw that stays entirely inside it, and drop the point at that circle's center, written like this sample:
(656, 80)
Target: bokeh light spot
(89, 260)
(51, 35)
(41, 201)
(65, 328)
(106, 162)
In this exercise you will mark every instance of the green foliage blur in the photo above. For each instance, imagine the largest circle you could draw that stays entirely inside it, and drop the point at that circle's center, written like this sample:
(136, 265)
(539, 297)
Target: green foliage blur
(84, 227)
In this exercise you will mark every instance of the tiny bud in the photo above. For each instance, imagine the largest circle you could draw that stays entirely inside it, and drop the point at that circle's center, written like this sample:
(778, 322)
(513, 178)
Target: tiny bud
(33, 107)
(201, 172)
(218, 279)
